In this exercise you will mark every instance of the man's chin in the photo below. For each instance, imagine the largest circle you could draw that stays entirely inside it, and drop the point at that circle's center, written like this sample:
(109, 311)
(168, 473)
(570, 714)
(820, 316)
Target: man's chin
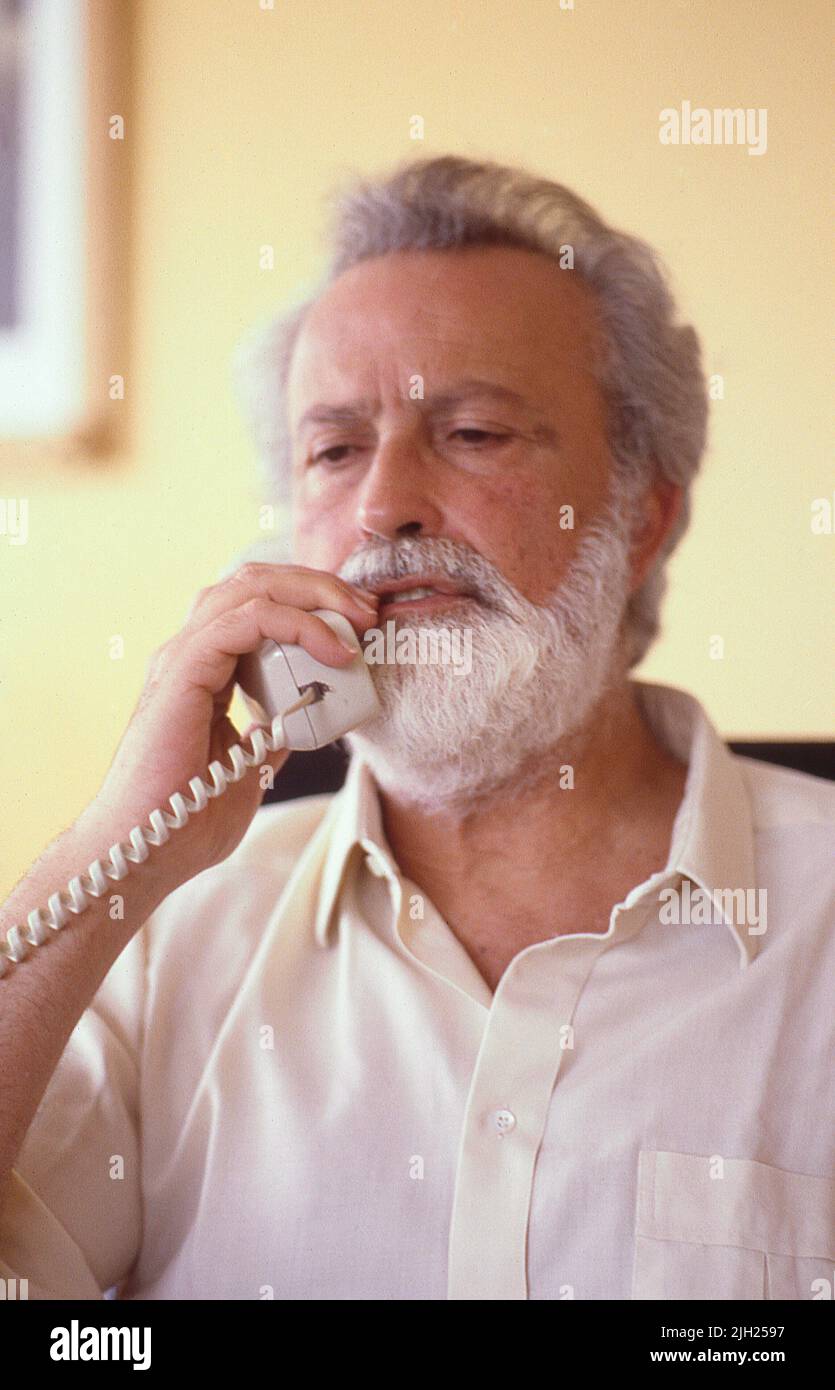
(434, 759)
(461, 778)
(430, 778)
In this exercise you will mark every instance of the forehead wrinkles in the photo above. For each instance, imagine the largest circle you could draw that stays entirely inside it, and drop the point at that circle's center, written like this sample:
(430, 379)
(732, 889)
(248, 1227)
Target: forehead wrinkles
(364, 330)
(523, 330)
(337, 332)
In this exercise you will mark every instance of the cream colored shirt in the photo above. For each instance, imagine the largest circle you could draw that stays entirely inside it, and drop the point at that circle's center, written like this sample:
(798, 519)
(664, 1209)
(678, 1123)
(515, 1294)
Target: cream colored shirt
(294, 1083)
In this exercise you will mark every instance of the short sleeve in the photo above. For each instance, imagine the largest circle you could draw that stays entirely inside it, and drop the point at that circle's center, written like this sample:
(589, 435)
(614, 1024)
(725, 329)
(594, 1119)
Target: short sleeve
(71, 1215)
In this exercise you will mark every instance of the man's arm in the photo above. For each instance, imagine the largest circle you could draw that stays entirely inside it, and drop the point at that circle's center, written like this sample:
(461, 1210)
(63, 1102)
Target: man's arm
(43, 998)
(179, 727)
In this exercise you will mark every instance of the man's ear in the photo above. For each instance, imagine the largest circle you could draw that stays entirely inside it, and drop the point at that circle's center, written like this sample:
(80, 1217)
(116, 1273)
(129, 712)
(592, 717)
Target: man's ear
(657, 514)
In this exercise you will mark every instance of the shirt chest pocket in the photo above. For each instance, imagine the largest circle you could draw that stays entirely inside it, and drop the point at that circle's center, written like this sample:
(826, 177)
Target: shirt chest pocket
(720, 1228)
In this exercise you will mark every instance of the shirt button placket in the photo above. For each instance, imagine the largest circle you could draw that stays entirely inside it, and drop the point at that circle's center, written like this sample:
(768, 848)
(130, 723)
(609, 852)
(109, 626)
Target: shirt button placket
(517, 1066)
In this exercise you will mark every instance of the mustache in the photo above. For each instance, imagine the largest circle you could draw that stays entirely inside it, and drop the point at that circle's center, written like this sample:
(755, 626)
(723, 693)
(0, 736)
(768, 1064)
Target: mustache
(377, 563)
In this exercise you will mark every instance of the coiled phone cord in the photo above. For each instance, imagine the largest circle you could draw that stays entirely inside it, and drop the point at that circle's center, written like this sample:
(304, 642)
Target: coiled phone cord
(81, 889)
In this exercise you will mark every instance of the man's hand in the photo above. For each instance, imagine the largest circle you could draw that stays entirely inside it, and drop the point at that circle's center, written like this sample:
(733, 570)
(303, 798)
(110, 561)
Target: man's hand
(180, 723)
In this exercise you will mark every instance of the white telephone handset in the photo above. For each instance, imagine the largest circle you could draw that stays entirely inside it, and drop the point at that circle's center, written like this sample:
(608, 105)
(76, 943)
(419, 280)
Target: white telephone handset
(304, 705)
(274, 677)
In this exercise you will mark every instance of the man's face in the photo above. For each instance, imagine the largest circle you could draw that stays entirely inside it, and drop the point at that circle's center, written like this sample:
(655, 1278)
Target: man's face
(399, 465)
(444, 411)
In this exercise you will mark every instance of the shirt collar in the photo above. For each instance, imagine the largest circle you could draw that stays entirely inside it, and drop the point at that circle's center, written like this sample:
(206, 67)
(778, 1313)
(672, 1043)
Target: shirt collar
(358, 822)
(712, 841)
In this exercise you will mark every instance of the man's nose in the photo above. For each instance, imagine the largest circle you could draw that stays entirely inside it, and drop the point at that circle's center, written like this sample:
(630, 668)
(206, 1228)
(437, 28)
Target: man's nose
(396, 494)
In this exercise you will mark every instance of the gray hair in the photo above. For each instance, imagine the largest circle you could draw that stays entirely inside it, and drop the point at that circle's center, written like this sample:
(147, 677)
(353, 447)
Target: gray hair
(650, 370)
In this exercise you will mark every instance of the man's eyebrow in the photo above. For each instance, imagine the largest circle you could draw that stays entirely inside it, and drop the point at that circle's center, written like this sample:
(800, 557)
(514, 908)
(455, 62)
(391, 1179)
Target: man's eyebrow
(351, 411)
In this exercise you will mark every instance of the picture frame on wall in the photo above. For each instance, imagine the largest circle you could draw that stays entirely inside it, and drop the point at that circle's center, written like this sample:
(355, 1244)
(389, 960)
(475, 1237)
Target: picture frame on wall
(63, 215)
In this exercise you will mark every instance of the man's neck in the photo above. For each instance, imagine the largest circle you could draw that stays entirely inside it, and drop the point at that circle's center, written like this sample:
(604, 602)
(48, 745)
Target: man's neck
(553, 852)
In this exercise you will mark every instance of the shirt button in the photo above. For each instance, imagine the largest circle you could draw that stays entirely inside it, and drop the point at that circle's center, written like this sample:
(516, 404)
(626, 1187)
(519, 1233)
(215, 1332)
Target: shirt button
(504, 1121)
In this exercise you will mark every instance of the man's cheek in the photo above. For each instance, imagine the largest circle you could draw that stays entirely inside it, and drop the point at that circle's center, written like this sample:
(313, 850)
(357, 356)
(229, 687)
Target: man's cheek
(316, 539)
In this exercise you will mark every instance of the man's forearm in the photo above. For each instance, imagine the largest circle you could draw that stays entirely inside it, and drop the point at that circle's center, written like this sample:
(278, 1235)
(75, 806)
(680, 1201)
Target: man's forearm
(43, 997)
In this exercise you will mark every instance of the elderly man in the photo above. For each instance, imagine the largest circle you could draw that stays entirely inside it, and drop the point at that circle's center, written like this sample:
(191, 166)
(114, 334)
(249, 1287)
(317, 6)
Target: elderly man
(536, 1006)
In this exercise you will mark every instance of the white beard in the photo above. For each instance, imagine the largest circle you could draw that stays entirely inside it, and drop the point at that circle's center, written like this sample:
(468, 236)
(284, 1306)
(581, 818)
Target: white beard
(537, 671)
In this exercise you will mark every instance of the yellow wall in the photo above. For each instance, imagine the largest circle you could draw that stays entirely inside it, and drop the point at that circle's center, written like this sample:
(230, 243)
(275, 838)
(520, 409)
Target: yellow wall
(241, 120)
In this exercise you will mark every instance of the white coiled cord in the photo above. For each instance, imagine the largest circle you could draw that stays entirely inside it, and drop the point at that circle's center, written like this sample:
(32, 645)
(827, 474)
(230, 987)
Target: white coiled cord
(81, 889)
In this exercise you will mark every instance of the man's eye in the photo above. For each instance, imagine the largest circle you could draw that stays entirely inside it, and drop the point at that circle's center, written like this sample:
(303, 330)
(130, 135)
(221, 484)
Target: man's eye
(327, 454)
(337, 453)
(479, 436)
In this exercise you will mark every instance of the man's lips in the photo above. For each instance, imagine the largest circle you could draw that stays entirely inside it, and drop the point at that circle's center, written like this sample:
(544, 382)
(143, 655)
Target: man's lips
(416, 593)
(437, 602)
